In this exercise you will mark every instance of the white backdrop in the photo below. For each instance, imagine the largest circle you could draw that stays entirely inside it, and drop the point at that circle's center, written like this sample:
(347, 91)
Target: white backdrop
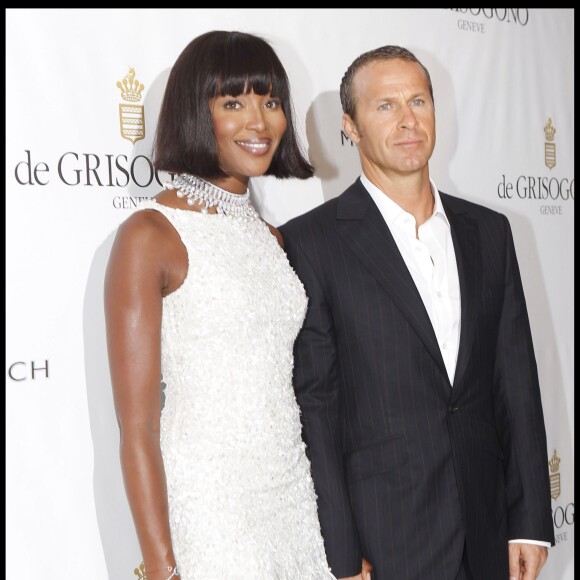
(503, 83)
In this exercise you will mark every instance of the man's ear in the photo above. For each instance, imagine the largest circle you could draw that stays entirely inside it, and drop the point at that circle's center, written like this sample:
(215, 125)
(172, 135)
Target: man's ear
(349, 127)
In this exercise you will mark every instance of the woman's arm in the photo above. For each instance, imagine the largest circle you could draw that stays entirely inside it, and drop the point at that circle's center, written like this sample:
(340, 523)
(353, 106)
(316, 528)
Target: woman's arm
(136, 277)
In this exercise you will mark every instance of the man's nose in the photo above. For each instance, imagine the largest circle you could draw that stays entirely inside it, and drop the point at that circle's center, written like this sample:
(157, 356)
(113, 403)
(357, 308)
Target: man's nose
(408, 119)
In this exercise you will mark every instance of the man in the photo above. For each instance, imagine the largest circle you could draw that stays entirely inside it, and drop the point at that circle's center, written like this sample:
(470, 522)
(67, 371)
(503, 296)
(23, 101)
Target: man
(415, 369)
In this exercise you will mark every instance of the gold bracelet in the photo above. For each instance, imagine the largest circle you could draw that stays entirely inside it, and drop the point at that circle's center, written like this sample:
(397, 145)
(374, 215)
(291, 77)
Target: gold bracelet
(174, 571)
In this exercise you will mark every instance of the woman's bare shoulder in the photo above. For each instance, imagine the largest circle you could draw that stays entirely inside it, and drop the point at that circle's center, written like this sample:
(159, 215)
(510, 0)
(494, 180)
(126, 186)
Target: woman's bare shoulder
(276, 234)
(143, 226)
(147, 232)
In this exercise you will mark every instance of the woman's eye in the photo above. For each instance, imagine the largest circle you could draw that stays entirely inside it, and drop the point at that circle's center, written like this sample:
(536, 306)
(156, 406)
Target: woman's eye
(273, 104)
(233, 104)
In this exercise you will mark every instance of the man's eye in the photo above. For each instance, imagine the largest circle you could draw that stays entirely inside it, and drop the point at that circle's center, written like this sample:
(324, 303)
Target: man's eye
(385, 106)
(417, 102)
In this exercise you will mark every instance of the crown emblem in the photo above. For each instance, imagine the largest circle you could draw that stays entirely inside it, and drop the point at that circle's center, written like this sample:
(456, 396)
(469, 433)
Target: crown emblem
(130, 87)
(140, 572)
(554, 462)
(549, 146)
(131, 115)
(549, 130)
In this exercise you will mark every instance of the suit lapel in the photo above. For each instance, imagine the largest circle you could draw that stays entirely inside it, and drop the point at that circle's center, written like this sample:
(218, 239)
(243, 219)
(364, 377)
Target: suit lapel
(361, 225)
(467, 246)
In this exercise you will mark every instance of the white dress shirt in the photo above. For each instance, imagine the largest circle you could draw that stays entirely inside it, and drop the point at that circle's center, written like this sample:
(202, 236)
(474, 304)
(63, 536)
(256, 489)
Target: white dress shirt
(430, 257)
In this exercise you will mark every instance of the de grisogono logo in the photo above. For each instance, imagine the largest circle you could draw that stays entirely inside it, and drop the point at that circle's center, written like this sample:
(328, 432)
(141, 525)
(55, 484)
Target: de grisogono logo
(563, 515)
(84, 168)
(131, 117)
(551, 191)
(484, 16)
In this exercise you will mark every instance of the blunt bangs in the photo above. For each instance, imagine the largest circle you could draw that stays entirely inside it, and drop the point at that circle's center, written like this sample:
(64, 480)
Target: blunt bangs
(259, 83)
(247, 65)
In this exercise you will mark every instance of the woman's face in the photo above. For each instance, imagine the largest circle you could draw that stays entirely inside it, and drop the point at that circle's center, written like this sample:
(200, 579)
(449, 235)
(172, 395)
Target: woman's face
(248, 130)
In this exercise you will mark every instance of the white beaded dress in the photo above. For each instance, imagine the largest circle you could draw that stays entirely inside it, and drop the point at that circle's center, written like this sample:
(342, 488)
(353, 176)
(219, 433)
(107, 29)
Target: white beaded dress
(242, 504)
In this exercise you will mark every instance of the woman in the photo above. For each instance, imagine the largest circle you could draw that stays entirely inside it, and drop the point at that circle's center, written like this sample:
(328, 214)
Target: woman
(199, 292)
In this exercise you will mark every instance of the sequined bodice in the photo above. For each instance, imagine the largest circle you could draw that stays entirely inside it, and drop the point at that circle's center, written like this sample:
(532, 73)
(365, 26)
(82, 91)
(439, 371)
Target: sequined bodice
(230, 426)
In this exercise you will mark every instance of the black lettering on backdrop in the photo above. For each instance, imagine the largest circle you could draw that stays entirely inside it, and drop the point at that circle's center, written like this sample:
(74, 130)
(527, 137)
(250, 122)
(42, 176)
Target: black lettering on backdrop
(90, 169)
(31, 172)
(18, 371)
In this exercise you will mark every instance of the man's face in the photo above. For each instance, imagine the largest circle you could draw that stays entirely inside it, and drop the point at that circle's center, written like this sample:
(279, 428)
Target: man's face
(394, 127)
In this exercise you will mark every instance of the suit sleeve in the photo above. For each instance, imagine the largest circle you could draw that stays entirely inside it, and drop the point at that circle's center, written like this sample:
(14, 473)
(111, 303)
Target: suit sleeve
(317, 392)
(520, 412)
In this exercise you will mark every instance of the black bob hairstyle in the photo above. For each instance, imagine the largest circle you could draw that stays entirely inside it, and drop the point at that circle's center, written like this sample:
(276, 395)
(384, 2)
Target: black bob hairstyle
(220, 63)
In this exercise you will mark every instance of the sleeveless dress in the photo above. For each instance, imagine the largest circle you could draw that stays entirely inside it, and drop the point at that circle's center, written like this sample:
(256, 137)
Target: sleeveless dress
(242, 504)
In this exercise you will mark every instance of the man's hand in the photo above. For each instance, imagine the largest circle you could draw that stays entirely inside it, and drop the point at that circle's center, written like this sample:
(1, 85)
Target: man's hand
(367, 568)
(526, 560)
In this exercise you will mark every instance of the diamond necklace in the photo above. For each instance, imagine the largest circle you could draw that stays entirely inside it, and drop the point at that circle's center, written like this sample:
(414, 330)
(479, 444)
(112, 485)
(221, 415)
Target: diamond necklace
(198, 190)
